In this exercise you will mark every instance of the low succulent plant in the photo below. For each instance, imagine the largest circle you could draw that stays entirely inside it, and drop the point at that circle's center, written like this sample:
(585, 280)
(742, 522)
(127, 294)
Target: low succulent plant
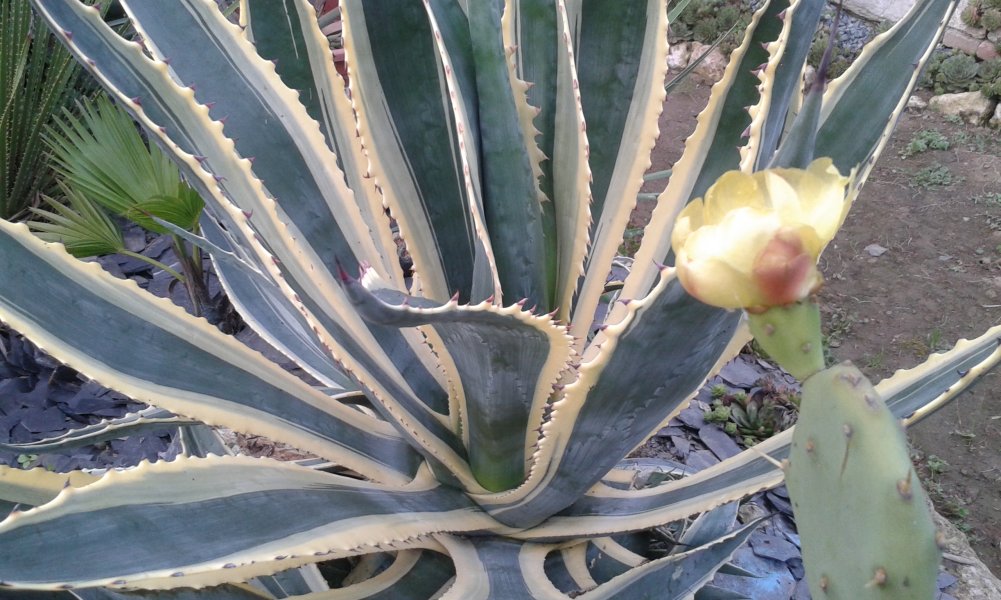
(972, 13)
(472, 422)
(957, 73)
(990, 78)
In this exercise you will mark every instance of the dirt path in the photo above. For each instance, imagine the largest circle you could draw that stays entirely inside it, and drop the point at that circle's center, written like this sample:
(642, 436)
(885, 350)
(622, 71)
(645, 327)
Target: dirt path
(934, 219)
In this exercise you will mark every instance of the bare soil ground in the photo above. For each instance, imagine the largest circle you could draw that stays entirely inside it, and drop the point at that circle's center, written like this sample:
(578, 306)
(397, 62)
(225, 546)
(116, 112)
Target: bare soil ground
(934, 218)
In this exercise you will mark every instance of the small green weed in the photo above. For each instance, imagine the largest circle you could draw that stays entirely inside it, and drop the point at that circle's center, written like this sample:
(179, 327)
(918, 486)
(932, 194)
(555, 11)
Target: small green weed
(27, 461)
(876, 362)
(936, 466)
(989, 198)
(935, 340)
(924, 140)
(934, 176)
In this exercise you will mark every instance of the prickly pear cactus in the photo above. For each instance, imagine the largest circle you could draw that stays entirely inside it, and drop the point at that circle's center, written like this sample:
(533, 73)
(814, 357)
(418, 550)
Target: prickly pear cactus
(864, 520)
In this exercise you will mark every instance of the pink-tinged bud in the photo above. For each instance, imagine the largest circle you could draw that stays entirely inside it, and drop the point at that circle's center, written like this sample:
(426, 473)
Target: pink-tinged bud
(785, 271)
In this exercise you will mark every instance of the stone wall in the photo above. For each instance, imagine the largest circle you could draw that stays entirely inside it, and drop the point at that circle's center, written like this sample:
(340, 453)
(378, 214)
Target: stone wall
(957, 35)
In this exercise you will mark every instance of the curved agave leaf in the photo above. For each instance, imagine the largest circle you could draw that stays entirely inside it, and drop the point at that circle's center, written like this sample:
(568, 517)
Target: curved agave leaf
(219, 519)
(127, 71)
(224, 382)
(497, 568)
(511, 197)
(676, 575)
(619, 398)
(501, 412)
(412, 575)
(912, 395)
(404, 112)
(891, 63)
(622, 94)
(148, 419)
(539, 33)
(34, 487)
(780, 79)
(713, 148)
(315, 199)
(222, 592)
(267, 310)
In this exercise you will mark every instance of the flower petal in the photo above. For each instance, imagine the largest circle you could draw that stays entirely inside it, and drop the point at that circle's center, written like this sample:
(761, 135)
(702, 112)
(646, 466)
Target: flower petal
(731, 191)
(717, 283)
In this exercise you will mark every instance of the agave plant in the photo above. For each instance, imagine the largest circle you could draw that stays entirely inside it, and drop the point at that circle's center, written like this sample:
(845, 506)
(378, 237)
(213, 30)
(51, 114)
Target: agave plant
(474, 420)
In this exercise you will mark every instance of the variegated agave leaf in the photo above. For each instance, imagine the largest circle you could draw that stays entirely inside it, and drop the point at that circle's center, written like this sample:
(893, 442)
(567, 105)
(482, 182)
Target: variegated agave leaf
(475, 420)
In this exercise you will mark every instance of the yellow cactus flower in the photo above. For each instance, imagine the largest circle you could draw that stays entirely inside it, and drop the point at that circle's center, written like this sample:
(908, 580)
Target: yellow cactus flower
(753, 241)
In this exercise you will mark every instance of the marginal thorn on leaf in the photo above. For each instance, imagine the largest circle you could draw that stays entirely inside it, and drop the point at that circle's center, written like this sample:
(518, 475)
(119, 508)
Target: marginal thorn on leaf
(746, 133)
(455, 297)
(962, 373)
(624, 301)
(219, 178)
(136, 100)
(341, 273)
(200, 158)
(248, 213)
(68, 34)
(209, 105)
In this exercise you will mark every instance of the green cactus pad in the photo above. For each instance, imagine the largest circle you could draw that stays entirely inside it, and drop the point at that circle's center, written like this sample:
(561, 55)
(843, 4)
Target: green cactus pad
(791, 336)
(865, 522)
